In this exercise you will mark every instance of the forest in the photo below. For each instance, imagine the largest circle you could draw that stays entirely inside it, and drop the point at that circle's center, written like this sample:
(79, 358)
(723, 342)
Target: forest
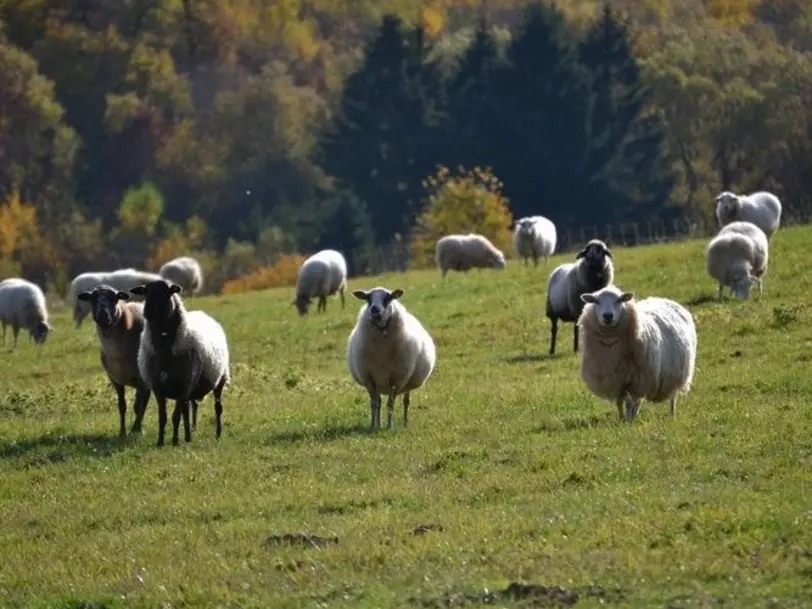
(250, 133)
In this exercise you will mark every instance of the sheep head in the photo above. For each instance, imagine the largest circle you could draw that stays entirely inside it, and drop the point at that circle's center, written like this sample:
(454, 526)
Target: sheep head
(160, 300)
(727, 206)
(104, 301)
(595, 253)
(379, 309)
(608, 305)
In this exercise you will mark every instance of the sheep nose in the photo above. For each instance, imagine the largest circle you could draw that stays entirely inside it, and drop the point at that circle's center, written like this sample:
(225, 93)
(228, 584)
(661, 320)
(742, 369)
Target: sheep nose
(607, 317)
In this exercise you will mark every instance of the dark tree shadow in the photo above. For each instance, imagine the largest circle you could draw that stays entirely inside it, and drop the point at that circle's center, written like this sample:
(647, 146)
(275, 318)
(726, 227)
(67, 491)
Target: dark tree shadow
(63, 447)
(325, 434)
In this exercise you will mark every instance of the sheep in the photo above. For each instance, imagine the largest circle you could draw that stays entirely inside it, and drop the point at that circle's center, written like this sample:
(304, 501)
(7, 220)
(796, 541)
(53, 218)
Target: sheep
(465, 252)
(22, 305)
(183, 356)
(737, 257)
(761, 208)
(592, 270)
(322, 275)
(388, 352)
(534, 237)
(119, 325)
(636, 350)
(184, 271)
(121, 279)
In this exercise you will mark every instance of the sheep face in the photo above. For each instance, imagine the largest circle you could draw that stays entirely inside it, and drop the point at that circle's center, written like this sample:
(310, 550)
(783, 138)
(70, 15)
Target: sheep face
(498, 261)
(609, 306)
(740, 285)
(302, 304)
(525, 227)
(595, 254)
(40, 332)
(379, 305)
(159, 301)
(727, 204)
(104, 301)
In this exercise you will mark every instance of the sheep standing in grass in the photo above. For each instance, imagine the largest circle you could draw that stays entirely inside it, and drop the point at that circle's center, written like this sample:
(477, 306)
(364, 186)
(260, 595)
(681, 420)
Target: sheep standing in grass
(119, 325)
(389, 352)
(22, 305)
(183, 356)
(591, 271)
(465, 252)
(185, 272)
(761, 208)
(635, 350)
(737, 257)
(534, 237)
(321, 275)
(121, 279)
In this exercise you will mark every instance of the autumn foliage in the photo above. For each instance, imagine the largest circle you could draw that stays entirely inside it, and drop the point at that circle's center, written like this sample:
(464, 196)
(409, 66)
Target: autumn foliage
(282, 273)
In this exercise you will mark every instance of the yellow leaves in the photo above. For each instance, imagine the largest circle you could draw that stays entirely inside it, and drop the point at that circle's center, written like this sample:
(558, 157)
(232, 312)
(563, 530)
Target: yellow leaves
(283, 273)
(18, 220)
(433, 20)
(467, 201)
(732, 13)
(179, 241)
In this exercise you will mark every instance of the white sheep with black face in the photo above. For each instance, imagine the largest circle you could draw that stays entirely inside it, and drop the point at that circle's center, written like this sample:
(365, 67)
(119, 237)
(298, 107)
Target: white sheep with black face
(635, 350)
(761, 208)
(388, 352)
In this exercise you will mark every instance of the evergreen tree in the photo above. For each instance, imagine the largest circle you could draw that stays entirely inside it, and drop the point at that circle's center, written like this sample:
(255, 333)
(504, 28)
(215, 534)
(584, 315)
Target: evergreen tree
(540, 109)
(627, 148)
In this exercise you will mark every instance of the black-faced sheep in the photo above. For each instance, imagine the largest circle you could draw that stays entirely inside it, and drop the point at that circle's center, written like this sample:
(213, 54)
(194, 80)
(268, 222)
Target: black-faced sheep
(121, 279)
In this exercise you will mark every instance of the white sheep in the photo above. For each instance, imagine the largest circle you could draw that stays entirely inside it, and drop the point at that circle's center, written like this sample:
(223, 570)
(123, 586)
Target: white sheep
(636, 350)
(22, 305)
(121, 279)
(184, 271)
(321, 275)
(737, 257)
(465, 252)
(591, 271)
(183, 356)
(388, 352)
(761, 208)
(534, 237)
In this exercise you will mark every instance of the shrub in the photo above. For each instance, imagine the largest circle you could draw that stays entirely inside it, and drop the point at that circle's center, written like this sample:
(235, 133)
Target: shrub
(282, 273)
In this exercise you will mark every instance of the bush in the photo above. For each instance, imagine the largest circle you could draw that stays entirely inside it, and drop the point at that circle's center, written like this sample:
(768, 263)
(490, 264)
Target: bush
(470, 202)
(283, 273)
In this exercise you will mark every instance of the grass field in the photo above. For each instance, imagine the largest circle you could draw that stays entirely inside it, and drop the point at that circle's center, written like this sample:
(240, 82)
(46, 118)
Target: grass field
(510, 471)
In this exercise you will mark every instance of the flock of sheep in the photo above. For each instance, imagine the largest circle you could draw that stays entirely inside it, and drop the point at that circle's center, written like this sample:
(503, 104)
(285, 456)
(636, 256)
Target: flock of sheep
(631, 350)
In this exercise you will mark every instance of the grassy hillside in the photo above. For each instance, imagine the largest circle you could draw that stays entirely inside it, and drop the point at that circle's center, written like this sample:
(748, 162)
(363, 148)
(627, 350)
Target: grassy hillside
(528, 477)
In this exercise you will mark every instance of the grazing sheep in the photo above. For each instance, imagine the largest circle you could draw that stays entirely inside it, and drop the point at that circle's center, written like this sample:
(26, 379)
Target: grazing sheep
(185, 272)
(534, 237)
(388, 352)
(635, 350)
(591, 271)
(465, 252)
(737, 257)
(22, 305)
(183, 356)
(119, 326)
(321, 275)
(761, 208)
(121, 279)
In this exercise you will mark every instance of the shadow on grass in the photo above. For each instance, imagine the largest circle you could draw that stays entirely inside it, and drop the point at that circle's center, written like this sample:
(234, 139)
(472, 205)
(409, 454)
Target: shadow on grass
(573, 423)
(325, 434)
(703, 299)
(526, 358)
(55, 448)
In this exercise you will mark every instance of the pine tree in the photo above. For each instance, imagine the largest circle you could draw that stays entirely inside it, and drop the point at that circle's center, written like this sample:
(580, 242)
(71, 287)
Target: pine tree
(627, 147)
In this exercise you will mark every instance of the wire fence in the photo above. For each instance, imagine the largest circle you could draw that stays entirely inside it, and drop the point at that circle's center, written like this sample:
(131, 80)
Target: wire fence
(396, 257)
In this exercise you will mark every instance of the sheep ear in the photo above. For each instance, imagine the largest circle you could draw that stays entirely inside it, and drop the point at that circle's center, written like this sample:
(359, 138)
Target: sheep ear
(84, 296)
(360, 294)
(396, 294)
(589, 298)
(123, 296)
(626, 296)
(175, 289)
(138, 290)
(608, 252)
(580, 254)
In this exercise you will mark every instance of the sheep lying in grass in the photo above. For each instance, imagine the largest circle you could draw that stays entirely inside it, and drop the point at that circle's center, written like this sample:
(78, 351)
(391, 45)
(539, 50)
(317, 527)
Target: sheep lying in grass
(635, 350)
(591, 271)
(389, 352)
(534, 237)
(22, 305)
(321, 275)
(119, 325)
(184, 271)
(183, 356)
(465, 252)
(121, 279)
(761, 208)
(737, 257)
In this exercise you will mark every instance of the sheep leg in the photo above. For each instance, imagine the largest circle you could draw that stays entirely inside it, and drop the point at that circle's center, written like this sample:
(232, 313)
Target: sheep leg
(122, 409)
(619, 404)
(406, 409)
(720, 291)
(322, 304)
(632, 406)
(218, 407)
(194, 415)
(375, 409)
(390, 409)
(341, 293)
(161, 418)
(553, 334)
(176, 415)
(140, 407)
(575, 337)
(672, 409)
(16, 330)
(4, 333)
(187, 431)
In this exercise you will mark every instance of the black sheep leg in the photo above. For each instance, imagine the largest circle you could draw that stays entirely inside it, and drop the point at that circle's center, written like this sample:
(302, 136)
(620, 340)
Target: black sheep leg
(161, 418)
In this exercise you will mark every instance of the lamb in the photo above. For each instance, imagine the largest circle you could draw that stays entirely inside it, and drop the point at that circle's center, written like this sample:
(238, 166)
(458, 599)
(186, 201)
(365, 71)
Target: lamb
(737, 257)
(761, 208)
(22, 305)
(591, 271)
(321, 275)
(636, 350)
(121, 279)
(534, 237)
(184, 271)
(183, 356)
(119, 325)
(388, 352)
(465, 252)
